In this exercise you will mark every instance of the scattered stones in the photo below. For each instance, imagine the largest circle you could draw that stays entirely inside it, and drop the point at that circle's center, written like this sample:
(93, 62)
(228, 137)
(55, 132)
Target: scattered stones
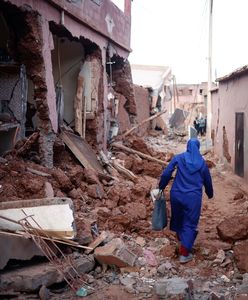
(140, 241)
(220, 257)
(127, 280)
(224, 278)
(31, 278)
(164, 268)
(173, 287)
(150, 258)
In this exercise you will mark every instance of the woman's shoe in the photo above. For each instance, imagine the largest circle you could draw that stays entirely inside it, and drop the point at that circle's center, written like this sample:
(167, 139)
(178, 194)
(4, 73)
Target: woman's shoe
(184, 259)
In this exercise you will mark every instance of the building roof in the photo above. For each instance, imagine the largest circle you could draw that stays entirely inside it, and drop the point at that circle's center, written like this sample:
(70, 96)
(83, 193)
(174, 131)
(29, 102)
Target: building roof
(237, 72)
(150, 76)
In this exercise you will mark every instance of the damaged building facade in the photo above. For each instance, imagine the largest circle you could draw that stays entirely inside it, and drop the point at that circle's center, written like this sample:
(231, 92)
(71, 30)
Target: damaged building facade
(229, 120)
(155, 83)
(63, 64)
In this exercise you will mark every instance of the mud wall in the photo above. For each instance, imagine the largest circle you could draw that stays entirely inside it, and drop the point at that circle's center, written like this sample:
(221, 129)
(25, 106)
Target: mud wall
(142, 104)
(232, 97)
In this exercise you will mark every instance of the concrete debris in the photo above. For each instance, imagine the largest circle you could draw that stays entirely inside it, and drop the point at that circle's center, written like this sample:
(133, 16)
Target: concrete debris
(54, 216)
(140, 241)
(115, 253)
(16, 247)
(173, 287)
(120, 209)
(178, 118)
(32, 278)
(164, 268)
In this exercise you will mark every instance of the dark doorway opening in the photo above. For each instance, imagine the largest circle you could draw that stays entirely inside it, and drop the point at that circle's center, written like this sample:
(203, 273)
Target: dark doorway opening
(239, 144)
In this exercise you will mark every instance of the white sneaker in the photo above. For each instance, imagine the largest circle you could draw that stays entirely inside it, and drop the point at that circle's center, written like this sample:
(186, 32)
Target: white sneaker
(184, 259)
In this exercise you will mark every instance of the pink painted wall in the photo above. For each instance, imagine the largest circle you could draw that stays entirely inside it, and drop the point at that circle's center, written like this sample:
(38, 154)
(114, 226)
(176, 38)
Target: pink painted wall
(89, 15)
(231, 97)
(100, 24)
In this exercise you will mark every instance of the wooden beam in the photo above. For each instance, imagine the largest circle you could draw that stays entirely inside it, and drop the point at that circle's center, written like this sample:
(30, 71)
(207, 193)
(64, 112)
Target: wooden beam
(78, 104)
(143, 155)
(143, 122)
(127, 173)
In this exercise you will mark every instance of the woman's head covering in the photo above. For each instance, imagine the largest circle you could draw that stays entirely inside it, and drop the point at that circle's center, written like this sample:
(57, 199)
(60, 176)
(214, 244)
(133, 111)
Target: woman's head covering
(192, 156)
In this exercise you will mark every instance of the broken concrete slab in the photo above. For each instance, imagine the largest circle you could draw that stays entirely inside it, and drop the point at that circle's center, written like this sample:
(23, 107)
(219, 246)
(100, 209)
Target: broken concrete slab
(173, 287)
(54, 216)
(178, 118)
(115, 253)
(31, 278)
(16, 247)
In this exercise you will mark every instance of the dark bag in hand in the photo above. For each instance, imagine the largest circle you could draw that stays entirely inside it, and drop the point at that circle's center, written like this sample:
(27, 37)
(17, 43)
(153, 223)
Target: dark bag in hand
(159, 216)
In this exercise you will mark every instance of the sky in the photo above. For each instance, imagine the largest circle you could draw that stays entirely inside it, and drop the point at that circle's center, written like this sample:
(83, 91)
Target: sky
(174, 33)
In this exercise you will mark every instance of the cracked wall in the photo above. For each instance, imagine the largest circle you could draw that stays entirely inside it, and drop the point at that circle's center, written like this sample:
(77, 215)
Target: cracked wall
(31, 46)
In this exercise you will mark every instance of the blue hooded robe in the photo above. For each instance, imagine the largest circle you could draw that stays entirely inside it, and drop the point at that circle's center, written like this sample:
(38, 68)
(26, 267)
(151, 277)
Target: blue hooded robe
(186, 192)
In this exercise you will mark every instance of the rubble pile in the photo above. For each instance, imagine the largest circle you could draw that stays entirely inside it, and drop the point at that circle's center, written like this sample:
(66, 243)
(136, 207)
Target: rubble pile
(113, 221)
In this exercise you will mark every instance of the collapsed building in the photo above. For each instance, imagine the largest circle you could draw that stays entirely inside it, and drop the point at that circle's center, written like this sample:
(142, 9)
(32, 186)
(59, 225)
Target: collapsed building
(63, 64)
(157, 81)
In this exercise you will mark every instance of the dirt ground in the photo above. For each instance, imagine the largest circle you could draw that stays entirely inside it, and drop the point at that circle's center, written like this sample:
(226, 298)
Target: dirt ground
(124, 208)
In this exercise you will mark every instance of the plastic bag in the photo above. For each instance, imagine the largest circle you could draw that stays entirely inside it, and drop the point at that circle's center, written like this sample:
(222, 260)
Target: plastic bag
(159, 216)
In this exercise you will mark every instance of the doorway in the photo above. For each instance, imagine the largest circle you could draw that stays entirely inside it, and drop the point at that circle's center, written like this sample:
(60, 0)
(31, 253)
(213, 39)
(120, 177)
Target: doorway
(239, 144)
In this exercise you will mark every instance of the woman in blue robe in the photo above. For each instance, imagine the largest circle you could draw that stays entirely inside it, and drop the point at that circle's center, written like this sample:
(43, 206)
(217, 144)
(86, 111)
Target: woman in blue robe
(192, 174)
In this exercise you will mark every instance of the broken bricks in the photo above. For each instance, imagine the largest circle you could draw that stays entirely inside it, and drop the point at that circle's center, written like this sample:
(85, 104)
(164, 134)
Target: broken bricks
(115, 253)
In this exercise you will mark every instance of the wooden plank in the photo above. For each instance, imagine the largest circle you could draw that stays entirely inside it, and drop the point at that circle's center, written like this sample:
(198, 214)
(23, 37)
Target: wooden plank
(82, 150)
(64, 242)
(127, 173)
(97, 241)
(143, 122)
(143, 155)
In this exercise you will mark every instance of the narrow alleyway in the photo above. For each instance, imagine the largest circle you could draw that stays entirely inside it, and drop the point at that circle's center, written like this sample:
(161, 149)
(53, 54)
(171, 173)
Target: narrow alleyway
(123, 209)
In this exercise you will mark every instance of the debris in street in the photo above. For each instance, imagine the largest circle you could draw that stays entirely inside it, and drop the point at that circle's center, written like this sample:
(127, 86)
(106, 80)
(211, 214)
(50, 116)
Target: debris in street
(15, 246)
(115, 253)
(142, 155)
(31, 278)
(143, 122)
